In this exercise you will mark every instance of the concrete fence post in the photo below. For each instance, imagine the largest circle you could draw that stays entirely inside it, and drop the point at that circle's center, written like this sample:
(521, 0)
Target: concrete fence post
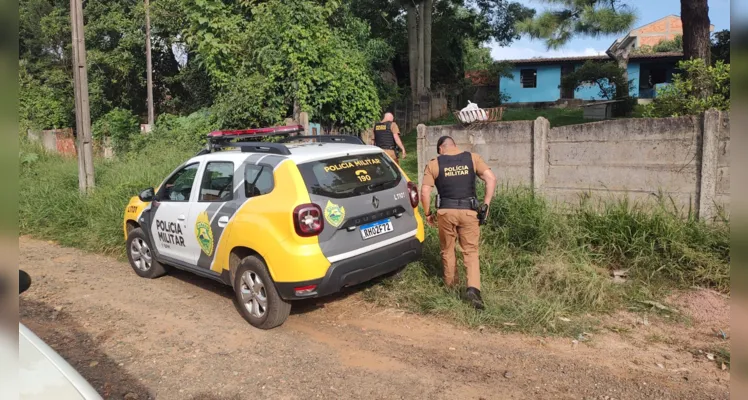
(708, 167)
(421, 151)
(540, 129)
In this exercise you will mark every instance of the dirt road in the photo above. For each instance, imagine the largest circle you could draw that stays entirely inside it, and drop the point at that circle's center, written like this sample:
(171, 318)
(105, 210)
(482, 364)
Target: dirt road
(179, 337)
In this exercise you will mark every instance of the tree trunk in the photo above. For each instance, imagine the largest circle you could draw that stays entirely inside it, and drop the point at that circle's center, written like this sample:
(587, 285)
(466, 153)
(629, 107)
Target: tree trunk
(695, 17)
(412, 22)
(428, 10)
(421, 51)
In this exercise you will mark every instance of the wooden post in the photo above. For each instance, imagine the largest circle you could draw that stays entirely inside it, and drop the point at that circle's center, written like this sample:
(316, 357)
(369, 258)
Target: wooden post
(148, 65)
(82, 111)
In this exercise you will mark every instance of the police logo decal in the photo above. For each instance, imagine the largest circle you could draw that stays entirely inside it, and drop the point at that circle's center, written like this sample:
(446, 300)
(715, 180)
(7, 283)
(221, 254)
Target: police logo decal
(204, 233)
(334, 214)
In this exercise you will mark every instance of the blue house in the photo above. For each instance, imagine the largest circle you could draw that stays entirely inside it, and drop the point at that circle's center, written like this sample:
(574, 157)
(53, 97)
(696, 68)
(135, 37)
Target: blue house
(538, 80)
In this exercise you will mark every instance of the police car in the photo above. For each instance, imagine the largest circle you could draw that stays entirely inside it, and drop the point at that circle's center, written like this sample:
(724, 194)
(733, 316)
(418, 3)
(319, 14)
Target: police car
(277, 221)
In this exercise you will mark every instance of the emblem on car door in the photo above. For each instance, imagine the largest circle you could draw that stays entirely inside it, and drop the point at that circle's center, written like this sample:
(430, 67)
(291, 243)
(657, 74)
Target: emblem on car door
(375, 202)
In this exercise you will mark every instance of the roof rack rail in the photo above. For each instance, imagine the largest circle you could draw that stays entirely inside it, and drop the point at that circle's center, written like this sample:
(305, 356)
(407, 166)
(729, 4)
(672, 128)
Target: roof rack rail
(254, 147)
(325, 139)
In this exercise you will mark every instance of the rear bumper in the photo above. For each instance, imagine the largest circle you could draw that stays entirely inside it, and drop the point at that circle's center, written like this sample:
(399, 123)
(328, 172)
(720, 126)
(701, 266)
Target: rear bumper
(358, 269)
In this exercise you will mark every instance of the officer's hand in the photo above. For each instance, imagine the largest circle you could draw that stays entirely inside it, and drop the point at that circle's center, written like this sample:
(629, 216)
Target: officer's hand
(431, 220)
(403, 157)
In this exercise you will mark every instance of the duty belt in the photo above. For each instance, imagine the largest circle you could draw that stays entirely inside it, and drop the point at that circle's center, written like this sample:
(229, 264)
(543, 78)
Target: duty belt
(468, 203)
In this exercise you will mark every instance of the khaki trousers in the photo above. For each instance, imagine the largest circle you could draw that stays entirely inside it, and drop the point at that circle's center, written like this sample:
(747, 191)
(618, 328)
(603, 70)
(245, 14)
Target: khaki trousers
(392, 155)
(462, 224)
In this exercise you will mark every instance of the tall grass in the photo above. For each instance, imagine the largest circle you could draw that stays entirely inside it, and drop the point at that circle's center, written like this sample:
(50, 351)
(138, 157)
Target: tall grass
(51, 207)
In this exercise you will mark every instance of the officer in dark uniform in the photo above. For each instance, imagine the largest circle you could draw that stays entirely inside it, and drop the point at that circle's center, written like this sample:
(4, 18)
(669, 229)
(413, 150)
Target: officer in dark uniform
(387, 136)
(453, 173)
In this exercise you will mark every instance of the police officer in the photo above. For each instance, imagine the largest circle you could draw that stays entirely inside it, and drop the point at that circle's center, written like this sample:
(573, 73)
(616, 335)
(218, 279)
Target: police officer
(387, 136)
(453, 173)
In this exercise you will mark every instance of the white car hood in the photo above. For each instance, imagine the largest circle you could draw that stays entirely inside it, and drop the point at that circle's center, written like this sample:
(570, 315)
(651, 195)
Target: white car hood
(44, 375)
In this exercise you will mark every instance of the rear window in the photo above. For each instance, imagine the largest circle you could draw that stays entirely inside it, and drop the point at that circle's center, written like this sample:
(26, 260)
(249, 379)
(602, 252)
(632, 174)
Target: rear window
(350, 175)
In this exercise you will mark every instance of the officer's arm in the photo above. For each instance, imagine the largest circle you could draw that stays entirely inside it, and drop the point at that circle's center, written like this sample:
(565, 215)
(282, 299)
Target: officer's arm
(426, 199)
(490, 180)
(399, 143)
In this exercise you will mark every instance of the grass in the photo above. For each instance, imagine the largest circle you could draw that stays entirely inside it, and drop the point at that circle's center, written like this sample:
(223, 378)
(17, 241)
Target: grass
(538, 264)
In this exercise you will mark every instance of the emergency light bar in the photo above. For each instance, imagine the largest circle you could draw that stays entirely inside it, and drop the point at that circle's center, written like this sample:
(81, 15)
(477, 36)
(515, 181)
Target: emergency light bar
(257, 132)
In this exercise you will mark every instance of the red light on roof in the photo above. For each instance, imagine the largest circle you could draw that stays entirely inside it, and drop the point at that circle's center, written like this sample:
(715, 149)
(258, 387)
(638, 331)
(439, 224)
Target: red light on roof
(257, 131)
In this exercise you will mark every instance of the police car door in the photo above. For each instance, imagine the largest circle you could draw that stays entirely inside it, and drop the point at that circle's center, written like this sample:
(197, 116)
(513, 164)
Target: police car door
(170, 212)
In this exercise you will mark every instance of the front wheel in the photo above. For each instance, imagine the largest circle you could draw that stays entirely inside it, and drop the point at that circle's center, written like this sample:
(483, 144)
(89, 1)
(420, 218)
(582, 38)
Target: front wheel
(141, 257)
(258, 300)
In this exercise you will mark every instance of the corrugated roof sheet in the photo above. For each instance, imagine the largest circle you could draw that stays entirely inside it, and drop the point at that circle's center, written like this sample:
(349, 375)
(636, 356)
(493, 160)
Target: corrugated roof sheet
(585, 58)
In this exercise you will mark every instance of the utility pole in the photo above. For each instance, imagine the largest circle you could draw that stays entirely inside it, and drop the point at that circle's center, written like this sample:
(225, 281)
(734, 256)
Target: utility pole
(148, 67)
(82, 111)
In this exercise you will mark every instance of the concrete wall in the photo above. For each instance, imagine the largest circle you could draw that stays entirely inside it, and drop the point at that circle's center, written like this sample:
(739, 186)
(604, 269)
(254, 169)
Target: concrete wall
(684, 158)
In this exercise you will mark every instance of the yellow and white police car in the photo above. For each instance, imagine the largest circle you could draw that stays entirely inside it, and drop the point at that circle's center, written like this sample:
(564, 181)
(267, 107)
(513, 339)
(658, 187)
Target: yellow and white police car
(277, 221)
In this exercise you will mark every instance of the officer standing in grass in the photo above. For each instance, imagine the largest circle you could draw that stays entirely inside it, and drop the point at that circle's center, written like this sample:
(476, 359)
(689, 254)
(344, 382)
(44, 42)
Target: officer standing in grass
(459, 213)
(387, 136)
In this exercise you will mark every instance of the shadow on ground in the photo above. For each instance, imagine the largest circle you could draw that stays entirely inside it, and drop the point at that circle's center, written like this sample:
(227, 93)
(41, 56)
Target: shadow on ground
(81, 350)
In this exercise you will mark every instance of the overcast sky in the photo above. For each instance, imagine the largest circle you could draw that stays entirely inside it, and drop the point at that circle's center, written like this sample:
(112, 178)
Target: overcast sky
(646, 11)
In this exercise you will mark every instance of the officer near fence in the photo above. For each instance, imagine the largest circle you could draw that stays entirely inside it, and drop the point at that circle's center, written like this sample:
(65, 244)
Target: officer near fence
(387, 136)
(459, 213)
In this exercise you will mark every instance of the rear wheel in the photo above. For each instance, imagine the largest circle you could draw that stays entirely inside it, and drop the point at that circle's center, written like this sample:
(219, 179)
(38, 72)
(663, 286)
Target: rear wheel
(258, 300)
(141, 257)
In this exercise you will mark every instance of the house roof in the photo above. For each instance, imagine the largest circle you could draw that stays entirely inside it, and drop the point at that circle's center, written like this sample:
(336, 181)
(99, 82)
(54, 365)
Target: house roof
(556, 60)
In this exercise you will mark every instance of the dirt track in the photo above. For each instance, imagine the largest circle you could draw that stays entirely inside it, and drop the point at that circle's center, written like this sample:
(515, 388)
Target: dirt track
(179, 337)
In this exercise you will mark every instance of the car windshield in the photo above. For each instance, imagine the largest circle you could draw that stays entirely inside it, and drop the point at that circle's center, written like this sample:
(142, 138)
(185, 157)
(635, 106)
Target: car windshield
(349, 176)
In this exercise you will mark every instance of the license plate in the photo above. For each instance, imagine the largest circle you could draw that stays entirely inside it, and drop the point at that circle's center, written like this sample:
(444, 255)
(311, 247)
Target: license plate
(368, 231)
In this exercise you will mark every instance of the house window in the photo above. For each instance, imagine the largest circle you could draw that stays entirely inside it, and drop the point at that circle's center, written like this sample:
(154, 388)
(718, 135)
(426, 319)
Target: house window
(528, 78)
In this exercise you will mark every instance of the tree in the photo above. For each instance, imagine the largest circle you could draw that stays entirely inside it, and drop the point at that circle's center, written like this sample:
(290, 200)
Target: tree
(721, 47)
(695, 17)
(682, 96)
(578, 17)
(610, 78)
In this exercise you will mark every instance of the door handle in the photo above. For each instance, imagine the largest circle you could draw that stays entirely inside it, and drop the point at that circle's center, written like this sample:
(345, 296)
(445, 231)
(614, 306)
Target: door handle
(181, 218)
(223, 221)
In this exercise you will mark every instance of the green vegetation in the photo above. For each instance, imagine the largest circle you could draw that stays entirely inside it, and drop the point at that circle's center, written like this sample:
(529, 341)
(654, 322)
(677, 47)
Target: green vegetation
(540, 264)
(681, 97)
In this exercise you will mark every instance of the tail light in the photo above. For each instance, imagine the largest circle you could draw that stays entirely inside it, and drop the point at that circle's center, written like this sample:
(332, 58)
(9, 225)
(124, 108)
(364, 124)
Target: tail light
(308, 220)
(413, 193)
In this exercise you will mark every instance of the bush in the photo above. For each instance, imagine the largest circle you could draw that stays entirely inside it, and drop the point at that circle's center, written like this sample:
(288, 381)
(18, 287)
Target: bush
(119, 125)
(684, 95)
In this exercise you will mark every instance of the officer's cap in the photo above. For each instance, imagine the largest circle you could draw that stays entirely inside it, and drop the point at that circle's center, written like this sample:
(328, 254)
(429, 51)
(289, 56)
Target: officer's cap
(441, 141)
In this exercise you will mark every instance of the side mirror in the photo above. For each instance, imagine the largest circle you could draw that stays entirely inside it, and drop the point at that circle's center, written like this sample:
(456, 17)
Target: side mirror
(24, 281)
(147, 195)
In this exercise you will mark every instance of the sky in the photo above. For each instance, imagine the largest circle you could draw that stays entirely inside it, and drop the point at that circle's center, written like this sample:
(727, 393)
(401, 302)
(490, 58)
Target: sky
(646, 10)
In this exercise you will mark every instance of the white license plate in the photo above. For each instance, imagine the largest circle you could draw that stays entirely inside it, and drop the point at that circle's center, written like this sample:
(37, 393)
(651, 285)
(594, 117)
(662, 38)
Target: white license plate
(368, 231)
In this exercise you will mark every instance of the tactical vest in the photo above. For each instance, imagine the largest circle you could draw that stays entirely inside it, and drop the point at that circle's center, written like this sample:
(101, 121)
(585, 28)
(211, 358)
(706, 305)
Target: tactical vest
(456, 179)
(383, 136)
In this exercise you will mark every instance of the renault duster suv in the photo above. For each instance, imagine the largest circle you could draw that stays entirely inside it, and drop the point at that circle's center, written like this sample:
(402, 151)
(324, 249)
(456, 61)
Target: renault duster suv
(277, 222)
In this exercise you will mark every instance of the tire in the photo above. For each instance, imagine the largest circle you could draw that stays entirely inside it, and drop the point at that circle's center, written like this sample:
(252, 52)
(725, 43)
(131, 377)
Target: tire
(253, 287)
(139, 252)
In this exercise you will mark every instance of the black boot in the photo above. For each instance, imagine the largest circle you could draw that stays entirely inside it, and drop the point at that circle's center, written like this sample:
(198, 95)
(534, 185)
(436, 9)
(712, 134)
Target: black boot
(473, 295)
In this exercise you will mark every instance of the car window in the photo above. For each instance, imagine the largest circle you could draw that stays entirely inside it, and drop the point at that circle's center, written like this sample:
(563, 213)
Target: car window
(349, 176)
(258, 180)
(218, 182)
(179, 185)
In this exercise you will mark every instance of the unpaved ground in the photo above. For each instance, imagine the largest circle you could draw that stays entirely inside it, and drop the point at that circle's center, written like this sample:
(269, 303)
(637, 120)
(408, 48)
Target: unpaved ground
(179, 337)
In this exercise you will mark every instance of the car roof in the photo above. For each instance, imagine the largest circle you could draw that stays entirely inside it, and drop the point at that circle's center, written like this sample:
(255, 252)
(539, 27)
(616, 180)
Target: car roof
(300, 152)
